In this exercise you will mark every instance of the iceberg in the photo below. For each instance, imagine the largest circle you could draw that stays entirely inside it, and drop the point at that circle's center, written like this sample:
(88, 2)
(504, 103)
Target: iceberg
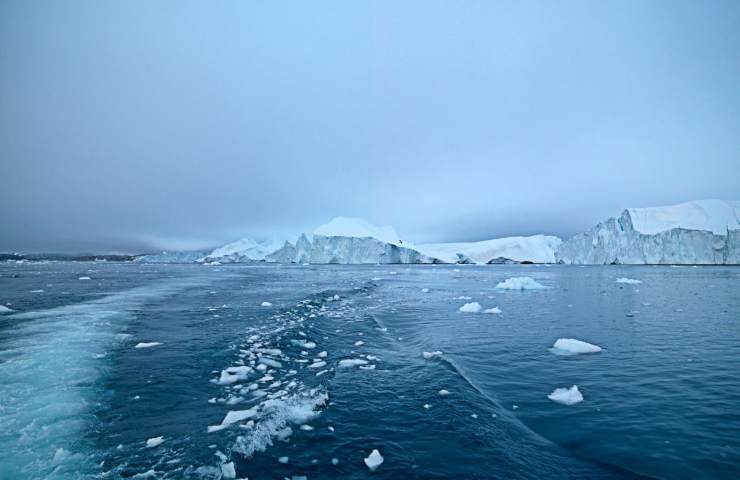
(520, 283)
(571, 346)
(171, 257)
(566, 396)
(244, 250)
(698, 232)
(533, 249)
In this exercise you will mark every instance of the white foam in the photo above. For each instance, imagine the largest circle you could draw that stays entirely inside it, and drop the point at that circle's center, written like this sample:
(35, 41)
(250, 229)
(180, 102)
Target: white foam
(473, 307)
(147, 344)
(566, 396)
(628, 281)
(374, 460)
(520, 283)
(571, 346)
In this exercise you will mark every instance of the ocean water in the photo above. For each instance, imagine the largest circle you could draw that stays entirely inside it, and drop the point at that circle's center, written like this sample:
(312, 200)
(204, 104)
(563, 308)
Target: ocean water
(79, 400)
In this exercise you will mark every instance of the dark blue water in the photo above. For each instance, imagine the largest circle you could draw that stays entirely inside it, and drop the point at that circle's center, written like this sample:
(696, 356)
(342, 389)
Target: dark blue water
(78, 400)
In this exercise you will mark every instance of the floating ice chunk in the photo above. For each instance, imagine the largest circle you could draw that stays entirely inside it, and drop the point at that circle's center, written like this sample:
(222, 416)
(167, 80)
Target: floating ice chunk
(463, 297)
(265, 304)
(566, 396)
(571, 346)
(351, 362)
(493, 311)
(270, 362)
(269, 351)
(430, 355)
(283, 460)
(318, 364)
(427, 406)
(154, 442)
(84, 278)
(303, 344)
(443, 393)
(424, 290)
(322, 354)
(336, 297)
(335, 461)
(359, 343)
(367, 367)
(629, 281)
(147, 344)
(473, 307)
(4, 309)
(37, 291)
(228, 470)
(234, 416)
(520, 283)
(306, 428)
(374, 460)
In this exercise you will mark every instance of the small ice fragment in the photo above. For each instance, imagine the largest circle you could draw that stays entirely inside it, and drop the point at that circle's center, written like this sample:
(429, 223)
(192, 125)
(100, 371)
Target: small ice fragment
(317, 364)
(444, 392)
(331, 429)
(359, 343)
(153, 442)
(270, 362)
(334, 461)
(424, 290)
(283, 460)
(234, 416)
(336, 297)
(519, 283)
(571, 346)
(494, 310)
(84, 278)
(306, 428)
(4, 309)
(463, 297)
(427, 406)
(228, 470)
(566, 396)
(430, 355)
(265, 304)
(351, 362)
(629, 281)
(474, 415)
(322, 354)
(374, 460)
(473, 307)
(147, 344)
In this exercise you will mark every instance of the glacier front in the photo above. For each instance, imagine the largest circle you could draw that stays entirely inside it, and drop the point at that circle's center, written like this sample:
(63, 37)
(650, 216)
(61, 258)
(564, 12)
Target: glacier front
(699, 232)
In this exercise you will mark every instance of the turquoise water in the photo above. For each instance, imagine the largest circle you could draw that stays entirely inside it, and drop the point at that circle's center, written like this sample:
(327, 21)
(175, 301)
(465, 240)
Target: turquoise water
(80, 401)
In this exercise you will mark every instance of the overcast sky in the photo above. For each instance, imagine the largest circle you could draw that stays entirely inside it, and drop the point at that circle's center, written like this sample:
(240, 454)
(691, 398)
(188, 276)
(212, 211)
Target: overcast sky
(141, 125)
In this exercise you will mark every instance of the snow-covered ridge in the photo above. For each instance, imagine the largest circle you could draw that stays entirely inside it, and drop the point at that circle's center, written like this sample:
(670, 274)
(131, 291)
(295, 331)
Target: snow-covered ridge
(357, 228)
(716, 216)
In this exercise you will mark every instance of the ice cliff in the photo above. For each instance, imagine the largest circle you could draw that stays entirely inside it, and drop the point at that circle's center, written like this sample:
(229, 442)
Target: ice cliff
(698, 232)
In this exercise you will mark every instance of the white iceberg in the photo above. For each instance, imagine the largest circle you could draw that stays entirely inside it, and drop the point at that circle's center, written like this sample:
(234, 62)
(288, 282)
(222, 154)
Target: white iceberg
(566, 396)
(472, 307)
(520, 283)
(534, 249)
(374, 460)
(571, 346)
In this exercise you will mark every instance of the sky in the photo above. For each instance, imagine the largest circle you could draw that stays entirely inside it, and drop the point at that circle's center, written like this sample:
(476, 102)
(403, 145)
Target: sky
(140, 126)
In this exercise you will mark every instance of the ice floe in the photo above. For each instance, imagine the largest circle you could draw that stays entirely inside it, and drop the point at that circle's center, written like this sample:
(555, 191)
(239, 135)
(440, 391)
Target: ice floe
(4, 309)
(571, 346)
(430, 355)
(154, 442)
(443, 393)
(265, 304)
(84, 278)
(374, 460)
(228, 470)
(147, 344)
(628, 281)
(493, 311)
(472, 307)
(352, 362)
(520, 283)
(566, 396)
(234, 416)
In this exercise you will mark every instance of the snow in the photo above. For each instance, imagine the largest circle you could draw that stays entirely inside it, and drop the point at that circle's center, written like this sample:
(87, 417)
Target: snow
(4, 309)
(520, 283)
(154, 442)
(493, 311)
(357, 228)
(571, 346)
(536, 248)
(265, 304)
(716, 216)
(629, 281)
(147, 344)
(473, 307)
(374, 460)
(566, 396)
